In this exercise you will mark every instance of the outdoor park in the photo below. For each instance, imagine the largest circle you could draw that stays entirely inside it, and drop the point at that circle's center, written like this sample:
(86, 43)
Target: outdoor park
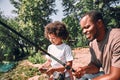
(22, 41)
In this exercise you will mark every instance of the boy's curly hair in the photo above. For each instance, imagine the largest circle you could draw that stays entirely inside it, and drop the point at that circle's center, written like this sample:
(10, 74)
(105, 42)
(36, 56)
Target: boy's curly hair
(57, 28)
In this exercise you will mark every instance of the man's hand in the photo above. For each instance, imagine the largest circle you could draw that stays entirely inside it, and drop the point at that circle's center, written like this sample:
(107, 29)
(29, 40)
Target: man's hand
(91, 69)
(79, 72)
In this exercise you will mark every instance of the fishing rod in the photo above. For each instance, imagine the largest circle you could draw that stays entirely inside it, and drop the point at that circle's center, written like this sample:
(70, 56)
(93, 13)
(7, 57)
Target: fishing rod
(34, 44)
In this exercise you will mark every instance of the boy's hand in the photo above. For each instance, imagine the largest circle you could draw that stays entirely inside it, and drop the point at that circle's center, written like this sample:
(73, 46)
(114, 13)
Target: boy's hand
(50, 71)
(42, 69)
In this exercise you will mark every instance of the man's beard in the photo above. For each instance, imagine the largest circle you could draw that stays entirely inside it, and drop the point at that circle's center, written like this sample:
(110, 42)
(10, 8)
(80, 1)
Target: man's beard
(94, 37)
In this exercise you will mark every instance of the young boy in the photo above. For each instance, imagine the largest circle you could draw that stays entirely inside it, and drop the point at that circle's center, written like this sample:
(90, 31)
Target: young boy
(56, 32)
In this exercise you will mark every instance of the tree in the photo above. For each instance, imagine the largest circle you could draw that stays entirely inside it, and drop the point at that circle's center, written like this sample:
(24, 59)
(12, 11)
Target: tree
(9, 42)
(33, 15)
(74, 9)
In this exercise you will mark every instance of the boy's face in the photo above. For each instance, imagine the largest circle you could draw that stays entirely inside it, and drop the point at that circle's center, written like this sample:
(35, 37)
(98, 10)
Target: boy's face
(54, 39)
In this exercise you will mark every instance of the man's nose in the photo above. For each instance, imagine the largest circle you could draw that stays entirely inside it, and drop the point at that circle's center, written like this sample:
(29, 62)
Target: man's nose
(84, 31)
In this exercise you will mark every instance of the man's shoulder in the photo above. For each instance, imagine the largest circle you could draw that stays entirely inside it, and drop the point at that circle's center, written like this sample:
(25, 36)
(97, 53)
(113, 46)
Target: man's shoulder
(115, 32)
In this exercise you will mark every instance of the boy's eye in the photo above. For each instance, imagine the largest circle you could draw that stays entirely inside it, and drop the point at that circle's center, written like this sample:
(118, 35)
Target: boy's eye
(52, 38)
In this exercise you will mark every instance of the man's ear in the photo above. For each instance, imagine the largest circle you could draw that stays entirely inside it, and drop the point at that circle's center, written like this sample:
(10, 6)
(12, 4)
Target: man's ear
(100, 23)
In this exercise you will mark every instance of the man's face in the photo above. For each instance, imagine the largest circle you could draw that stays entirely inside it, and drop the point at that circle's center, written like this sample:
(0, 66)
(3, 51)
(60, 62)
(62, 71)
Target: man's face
(89, 28)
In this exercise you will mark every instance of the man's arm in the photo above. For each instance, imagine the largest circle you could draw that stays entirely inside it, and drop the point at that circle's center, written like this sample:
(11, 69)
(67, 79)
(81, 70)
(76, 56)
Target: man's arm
(90, 69)
(114, 75)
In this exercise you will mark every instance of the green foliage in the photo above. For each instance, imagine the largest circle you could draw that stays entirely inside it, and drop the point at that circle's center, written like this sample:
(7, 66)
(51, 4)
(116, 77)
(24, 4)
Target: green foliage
(20, 73)
(74, 9)
(31, 71)
(74, 30)
(33, 15)
(11, 48)
(37, 58)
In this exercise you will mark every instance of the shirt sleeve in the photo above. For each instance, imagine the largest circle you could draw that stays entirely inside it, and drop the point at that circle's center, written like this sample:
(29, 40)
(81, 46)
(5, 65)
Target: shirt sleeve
(68, 53)
(116, 53)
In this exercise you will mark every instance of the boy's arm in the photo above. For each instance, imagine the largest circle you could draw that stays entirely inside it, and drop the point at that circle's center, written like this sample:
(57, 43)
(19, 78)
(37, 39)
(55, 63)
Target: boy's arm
(46, 64)
(59, 69)
(44, 67)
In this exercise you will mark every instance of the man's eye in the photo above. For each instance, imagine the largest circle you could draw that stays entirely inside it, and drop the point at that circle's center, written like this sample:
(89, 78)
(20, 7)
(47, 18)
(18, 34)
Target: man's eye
(87, 26)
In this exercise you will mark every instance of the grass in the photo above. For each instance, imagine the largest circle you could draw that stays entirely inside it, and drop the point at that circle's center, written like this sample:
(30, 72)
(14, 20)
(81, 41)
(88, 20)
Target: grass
(23, 70)
(20, 72)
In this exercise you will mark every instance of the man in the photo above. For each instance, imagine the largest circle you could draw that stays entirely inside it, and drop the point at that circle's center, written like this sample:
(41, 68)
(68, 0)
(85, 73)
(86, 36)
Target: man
(104, 47)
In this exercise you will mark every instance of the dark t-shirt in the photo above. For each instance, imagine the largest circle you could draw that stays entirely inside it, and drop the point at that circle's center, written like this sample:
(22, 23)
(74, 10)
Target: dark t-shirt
(107, 52)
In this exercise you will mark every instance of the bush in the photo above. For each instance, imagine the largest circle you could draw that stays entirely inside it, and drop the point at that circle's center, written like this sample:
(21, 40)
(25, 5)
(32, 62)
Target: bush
(37, 58)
